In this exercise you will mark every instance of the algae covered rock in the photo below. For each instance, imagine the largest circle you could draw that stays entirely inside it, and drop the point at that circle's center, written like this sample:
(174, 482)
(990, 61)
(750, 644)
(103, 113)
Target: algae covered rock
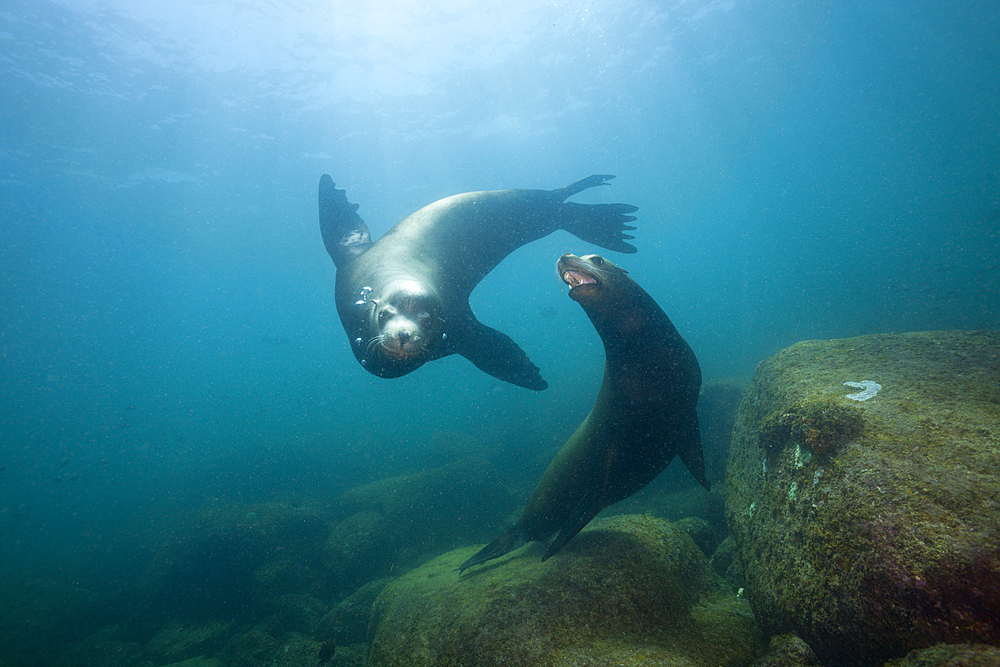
(867, 515)
(786, 651)
(393, 523)
(347, 623)
(235, 559)
(177, 641)
(951, 655)
(628, 590)
(717, 406)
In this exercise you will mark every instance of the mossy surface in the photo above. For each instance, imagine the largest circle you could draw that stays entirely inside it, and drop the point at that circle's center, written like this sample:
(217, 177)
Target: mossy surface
(872, 528)
(951, 655)
(629, 590)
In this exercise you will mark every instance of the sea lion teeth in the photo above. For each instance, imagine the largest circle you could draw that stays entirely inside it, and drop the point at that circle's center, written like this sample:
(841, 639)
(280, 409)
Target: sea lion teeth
(576, 278)
(420, 274)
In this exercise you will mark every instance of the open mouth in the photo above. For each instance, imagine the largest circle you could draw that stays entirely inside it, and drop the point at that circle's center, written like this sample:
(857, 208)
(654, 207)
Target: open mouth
(575, 278)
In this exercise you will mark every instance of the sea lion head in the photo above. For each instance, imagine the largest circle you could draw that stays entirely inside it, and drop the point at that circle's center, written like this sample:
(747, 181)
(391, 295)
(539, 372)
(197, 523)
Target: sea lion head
(590, 277)
(402, 322)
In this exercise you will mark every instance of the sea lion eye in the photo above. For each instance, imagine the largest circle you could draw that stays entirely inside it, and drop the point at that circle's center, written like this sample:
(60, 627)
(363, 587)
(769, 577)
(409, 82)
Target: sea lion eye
(598, 260)
(383, 316)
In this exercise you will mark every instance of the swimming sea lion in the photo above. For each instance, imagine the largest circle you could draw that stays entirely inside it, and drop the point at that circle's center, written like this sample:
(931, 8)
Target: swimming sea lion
(645, 412)
(404, 299)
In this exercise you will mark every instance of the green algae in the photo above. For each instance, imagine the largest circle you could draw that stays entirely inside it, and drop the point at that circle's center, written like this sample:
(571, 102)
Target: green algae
(822, 425)
(886, 538)
(628, 590)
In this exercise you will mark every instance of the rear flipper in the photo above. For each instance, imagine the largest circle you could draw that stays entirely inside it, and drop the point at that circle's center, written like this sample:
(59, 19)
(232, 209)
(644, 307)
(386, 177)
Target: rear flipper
(495, 353)
(601, 224)
(585, 510)
(691, 455)
(510, 540)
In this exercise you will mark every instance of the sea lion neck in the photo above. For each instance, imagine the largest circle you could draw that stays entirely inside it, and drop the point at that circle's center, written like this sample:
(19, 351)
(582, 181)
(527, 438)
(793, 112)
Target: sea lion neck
(621, 315)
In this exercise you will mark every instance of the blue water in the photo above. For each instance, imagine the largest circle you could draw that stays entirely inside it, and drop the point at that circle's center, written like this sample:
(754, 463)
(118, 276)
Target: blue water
(167, 327)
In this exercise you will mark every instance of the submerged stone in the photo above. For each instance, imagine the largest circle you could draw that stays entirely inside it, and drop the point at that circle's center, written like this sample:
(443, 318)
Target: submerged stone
(628, 590)
(872, 527)
(951, 655)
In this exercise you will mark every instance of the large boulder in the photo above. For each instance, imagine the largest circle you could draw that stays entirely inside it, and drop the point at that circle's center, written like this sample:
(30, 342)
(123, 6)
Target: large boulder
(951, 655)
(290, 557)
(398, 522)
(867, 520)
(627, 590)
(234, 559)
(39, 617)
(717, 406)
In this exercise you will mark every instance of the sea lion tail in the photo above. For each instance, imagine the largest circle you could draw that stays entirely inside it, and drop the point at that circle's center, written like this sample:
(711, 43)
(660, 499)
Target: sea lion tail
(345, 234)
(514, 538)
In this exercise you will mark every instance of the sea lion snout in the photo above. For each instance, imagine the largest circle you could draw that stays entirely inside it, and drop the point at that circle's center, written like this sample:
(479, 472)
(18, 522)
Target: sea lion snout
(401, 337)
(579, 273)
(406, 319)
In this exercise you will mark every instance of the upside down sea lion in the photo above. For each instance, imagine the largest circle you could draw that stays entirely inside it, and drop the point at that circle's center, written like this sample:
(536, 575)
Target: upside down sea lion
(645, 412)
(404, 299)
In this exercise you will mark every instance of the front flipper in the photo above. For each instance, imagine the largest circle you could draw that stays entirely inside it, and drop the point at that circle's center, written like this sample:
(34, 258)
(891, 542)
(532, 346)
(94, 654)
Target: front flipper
(345, 234)
(495, 353)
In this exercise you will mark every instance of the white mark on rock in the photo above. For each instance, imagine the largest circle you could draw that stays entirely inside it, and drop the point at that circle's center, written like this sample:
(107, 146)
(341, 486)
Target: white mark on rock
(870, 389)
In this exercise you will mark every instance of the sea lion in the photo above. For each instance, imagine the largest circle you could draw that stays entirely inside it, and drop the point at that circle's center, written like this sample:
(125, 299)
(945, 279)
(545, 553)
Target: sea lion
(645, 412)
(404, 299)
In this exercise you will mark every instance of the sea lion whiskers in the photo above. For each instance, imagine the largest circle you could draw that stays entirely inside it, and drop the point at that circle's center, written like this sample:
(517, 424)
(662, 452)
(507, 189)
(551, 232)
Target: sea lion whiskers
(377, 348)
(374, 345)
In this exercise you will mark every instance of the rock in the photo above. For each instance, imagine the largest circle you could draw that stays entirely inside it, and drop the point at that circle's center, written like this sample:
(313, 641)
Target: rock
(350, 656)
(627, 590)
(347, 623)
(701, 533)
(950, 655)
(177, 641)
(40, 616)
(108, 647)
(872, 527)
(394, 524)
(295, 650)
(717, 407)
(250, 649)
(259, 647)
(243, 560)
(234, 559)
(725, 561)
(787, 651)
(199, 661)
(300, 613)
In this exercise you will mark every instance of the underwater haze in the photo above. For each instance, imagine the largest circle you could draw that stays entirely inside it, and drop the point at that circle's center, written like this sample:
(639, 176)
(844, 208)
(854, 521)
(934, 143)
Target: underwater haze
(168, 333)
